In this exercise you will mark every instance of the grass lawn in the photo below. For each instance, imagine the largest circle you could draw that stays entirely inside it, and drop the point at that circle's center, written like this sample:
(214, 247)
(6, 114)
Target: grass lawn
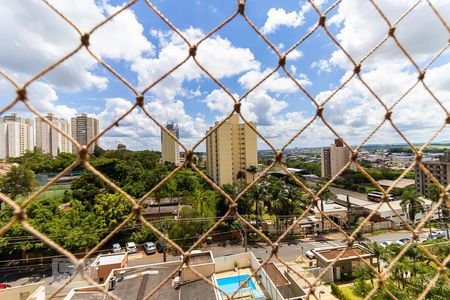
(347, 290)
(53, 193)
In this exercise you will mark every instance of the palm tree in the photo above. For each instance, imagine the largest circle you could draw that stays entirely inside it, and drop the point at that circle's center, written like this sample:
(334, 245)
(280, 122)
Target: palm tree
(378, 252)
(241, 176)
(434, 193)
(252, 170)
(411, 203)
(327, 194)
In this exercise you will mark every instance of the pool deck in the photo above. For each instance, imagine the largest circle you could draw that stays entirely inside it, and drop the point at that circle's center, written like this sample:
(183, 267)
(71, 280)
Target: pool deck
(243, 271)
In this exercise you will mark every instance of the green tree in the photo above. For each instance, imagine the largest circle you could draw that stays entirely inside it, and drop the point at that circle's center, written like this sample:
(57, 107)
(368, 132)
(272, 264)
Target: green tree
(111, 209)
(19, 181)
(411, 203)
(252, 170)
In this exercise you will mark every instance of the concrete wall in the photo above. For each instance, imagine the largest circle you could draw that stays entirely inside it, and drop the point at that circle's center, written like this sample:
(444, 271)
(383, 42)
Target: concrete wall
(23, 292)
(270, 287)
(204, 269)
(226, 263)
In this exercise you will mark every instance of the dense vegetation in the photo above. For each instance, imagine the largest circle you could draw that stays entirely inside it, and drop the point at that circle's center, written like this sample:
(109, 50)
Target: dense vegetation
(80, 215)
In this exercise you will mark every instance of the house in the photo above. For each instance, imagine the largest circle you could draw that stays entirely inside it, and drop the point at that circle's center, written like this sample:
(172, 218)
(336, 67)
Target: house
(104, 263)
(345, 264)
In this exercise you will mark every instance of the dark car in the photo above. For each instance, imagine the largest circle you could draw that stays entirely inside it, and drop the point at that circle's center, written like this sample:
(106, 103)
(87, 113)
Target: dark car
(160, 246)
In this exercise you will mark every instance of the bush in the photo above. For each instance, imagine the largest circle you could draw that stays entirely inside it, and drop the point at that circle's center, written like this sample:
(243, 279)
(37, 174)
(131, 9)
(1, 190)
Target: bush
(362, 288)
(338, 292)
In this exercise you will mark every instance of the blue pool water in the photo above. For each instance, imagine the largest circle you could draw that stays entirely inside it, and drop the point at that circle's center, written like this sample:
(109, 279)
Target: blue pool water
(230, 284)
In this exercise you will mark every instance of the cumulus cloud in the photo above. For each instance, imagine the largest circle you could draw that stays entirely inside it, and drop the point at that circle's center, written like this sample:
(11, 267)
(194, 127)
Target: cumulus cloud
(278, 17)
(354, 111)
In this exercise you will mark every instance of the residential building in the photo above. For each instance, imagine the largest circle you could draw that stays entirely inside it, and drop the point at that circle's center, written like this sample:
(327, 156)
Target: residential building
(344, 264)
(170, 150)
(439, 169)
(49, 139)
(84, 129)
(16, 136)
(226, 272)
(334, 158)
(105, 263)
(230, 150)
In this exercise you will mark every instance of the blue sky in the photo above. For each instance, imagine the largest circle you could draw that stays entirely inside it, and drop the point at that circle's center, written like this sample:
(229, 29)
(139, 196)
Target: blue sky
(141, 47)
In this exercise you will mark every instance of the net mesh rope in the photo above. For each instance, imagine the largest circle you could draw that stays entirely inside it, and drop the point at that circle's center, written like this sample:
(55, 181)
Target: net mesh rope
(20, 215)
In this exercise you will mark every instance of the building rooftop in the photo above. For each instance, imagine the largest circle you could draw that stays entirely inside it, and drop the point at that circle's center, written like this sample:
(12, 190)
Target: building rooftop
(330, 254)
(394, 204)
(401, 184)
(200, 258)
(139, 282)
(109, 259)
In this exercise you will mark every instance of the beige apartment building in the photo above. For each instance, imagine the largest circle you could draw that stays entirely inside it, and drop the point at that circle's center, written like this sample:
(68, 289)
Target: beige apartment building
(49, 139)
(170, 150)
(334, 158)
(84, 129)
(16, 136)
(230, 150)
(440, 170)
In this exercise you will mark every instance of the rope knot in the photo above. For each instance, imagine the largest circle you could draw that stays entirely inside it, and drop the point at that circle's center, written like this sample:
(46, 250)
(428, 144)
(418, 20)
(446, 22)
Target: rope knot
(137, 210)
(351, 241)
(319, 111)
(193, 50)
(322, 20)
(419, 156)
(237, 107)
(140, 100)
(241, 7)
(282, 61)
(279, 157)
(85, 39)
(421, 75)
(21, 94)
(20, 215)
(391, 31)
(83, 153)
(388, 115)
(357, 69)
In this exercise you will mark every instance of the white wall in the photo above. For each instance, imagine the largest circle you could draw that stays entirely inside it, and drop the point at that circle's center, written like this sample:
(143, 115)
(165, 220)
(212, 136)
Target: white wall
(23, 292)
(226, 263)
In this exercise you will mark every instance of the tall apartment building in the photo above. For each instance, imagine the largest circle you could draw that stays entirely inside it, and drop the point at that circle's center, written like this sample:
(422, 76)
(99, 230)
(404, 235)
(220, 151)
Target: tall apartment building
(440, 170)
(49, 139)
(16, 136)
(170, 150)
(84, 129)
(231, 149)
(334, 158)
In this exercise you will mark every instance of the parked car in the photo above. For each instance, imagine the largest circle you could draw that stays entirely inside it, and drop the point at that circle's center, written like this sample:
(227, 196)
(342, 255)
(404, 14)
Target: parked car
(385, 244)
(438, 234)
(309, 254)
(131, 247)
(116, 248)
(403, 241)
(160, 246)
(149, 248)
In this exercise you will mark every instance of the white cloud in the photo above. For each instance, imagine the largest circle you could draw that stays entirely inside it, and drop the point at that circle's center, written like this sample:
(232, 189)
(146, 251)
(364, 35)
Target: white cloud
(353, 111)
(277, 17)
(216, 54)
(323, 66)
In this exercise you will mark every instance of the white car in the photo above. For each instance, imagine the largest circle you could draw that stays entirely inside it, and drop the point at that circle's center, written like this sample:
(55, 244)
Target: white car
(131, 247)
(149, 248)
(385, 244)
(116, 248)
(309, 254)
(403, 241)
(438, 234)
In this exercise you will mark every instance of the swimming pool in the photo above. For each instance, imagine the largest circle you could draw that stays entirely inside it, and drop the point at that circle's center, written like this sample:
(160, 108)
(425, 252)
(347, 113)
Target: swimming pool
(230, 284)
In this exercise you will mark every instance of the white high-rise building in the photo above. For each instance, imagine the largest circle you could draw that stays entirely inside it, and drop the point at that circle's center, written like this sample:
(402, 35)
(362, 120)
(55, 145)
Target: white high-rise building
(50, 140)
(170, 150)
(16, 136)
